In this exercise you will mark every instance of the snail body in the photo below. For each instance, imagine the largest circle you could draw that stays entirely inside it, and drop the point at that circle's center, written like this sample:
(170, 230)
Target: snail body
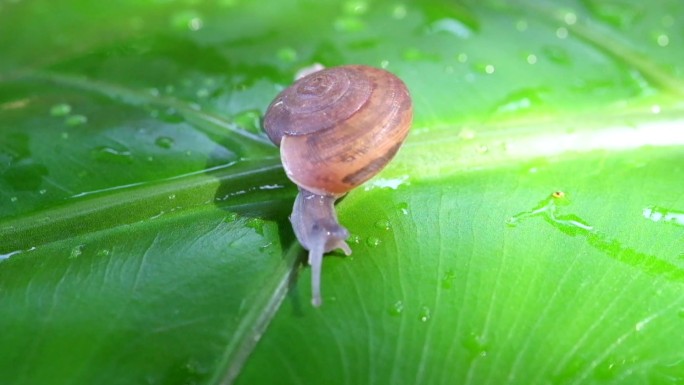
(336, 129)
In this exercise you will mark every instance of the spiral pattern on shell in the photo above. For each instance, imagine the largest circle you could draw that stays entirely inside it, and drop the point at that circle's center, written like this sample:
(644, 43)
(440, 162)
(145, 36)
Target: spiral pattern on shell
(339, 127)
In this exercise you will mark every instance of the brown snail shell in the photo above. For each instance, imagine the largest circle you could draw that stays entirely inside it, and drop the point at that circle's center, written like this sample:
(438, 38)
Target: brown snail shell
(336, 129)
(340, 126)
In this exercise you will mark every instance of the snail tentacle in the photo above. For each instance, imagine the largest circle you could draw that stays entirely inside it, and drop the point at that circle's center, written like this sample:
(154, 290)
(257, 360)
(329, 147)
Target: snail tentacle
(315, 224)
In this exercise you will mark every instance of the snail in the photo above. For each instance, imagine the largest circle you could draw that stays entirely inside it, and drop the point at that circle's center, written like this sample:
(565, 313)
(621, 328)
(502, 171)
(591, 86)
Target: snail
(336, 128)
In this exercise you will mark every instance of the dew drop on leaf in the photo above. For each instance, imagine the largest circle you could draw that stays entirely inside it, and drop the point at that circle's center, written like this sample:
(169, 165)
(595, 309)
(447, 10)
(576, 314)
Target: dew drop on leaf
(475, 345)
(257, 224)
(609, 369)
(170, 115)
(424, 314)
(448, 279)
(349, 24)
(373, 241)
(383, 224)
(61, 109)
(396, 309)
(620, 14)
(556, 54)
(399, 12)
(164, 142)
(76, 251)
(287, 54)
(249, 120)
(76, 120)
(403, 208)
(231, 217)
(111, 155)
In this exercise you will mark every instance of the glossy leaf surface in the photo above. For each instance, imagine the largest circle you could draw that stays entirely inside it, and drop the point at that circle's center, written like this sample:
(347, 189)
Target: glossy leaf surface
(531, 230)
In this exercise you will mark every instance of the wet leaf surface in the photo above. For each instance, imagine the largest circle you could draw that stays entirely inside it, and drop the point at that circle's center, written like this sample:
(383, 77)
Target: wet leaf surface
(530, 231)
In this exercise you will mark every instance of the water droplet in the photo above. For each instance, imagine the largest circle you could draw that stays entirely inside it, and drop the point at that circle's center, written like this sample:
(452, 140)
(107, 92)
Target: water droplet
(164, 142)
(424, 314)
(513, 221)
(187, 20)
(355, 239)
(403, 208)
(170, 115)
(658, 214)
(383, 224)
(483, 68)
(618, 13)
(264, 248)
(14, 199)
(42, 191)
(287, 54)
(519, 100)
(531, 59)
(608, 369)
(257, 224)
(462, 57)
(384, 64)
(393, 183)
(639, 326)
(399, 12)
(231, 217)
(76, 120)
(373, 241)
(357, 7)
(111, 155)
(415, 54)
(61, 109)
(64, 135)
(452, 27)
(103, 252)
(10, 254)
(521, 25)
(475, 344)
(349, 24)
(396, 309)
(249, 120)
(562, 33)
(76, 252)
(570, 18)
(172, 197)
(556, 54)
(202, 93)
(195, 24)
(663, 40)
(448, 279)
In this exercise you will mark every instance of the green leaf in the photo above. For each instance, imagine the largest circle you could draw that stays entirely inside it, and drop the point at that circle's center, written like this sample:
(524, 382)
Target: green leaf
(531, 230)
